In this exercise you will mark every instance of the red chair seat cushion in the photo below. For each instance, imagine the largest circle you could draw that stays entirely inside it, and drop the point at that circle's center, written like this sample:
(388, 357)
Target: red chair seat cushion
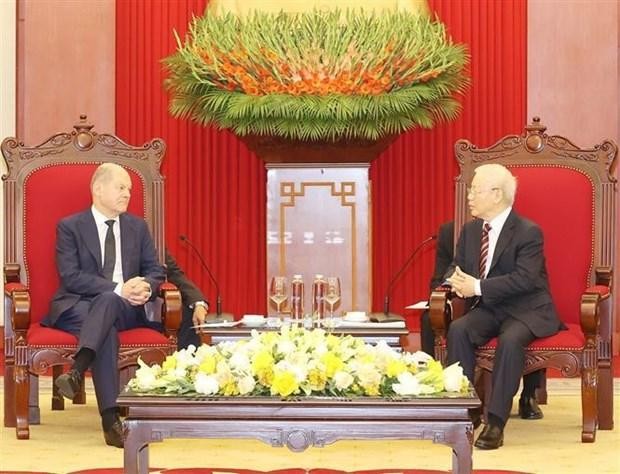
(571, 339)
(42, 336)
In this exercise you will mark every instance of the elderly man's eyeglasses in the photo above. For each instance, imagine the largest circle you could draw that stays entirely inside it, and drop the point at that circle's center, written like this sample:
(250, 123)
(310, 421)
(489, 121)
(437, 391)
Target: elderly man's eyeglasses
(473, 191)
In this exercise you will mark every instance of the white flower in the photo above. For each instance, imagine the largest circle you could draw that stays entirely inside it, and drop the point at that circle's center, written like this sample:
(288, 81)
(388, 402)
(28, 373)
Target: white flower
(343, 380)
(146, 377)
(206, 384)
(418, 358)
(453, 377)
(246, 384)
(239, 362)
(368, 374)
(407, 384)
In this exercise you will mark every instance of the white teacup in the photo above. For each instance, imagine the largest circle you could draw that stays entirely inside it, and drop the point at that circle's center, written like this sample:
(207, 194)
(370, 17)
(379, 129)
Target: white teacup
(253, 319)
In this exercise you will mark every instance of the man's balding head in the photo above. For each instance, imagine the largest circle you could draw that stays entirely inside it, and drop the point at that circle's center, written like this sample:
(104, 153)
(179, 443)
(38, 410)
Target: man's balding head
(492, 190)
(110, 187)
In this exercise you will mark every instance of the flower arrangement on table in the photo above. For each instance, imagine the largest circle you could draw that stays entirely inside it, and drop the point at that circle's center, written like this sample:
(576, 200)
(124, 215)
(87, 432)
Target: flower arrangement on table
(320, 75)
(298, 362)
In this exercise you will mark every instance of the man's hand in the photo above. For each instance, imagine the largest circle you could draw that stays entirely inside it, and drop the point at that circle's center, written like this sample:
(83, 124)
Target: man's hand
(462, 283)
(200, 315)
(136, 290)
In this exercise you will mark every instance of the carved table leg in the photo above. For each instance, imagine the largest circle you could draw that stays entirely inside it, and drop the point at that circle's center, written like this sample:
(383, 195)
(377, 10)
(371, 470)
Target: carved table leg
(136, 450)
(461, 444)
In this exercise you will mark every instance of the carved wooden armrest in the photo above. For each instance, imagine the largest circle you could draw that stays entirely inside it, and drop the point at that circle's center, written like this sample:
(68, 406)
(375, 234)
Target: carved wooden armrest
(440, 311)
(172, 308)
(19, 306)
(596, 302)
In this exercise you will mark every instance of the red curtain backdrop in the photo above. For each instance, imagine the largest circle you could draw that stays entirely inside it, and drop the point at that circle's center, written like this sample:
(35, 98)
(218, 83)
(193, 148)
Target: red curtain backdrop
(215, 188)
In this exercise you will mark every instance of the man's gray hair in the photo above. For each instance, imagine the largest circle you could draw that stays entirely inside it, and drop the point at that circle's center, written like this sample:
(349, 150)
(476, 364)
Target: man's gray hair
(499, 176)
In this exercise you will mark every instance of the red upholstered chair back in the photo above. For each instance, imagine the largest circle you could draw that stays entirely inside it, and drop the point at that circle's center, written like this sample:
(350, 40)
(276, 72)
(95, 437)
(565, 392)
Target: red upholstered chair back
(49, 194)
(560, 200)
(568, 191)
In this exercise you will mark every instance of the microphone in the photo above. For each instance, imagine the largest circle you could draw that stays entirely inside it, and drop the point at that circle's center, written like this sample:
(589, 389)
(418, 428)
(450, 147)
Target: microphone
(386, 316)
(218, 298)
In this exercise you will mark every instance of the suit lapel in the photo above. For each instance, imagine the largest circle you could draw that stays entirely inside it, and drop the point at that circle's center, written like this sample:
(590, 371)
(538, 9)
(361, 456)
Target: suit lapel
(128, 246)
(88, 228)
(504, 239)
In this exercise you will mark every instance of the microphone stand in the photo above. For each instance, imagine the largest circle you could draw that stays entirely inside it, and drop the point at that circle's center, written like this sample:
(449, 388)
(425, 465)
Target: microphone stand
(218, 298)
(386, 316)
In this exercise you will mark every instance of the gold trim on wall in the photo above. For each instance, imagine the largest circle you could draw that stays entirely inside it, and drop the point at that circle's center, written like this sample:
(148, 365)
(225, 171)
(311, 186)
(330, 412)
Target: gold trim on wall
(347, 189)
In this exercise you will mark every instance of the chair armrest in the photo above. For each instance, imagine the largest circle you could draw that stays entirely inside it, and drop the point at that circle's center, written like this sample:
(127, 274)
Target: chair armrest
(596, 309)
(440, 311)
(18, 314)
(172, 307)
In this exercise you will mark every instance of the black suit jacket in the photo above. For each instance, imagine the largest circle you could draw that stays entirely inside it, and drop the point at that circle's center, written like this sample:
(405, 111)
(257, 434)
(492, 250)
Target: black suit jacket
(444, 254)
(78, 259)
(189, 292)
(517, 282)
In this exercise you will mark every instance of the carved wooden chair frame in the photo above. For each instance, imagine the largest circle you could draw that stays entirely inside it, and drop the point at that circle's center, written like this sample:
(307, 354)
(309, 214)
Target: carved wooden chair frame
(593, 361)
(24, 362)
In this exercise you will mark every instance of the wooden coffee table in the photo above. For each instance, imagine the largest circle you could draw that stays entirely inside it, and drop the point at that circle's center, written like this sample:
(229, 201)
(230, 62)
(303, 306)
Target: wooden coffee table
(297, 423)
(392, 336)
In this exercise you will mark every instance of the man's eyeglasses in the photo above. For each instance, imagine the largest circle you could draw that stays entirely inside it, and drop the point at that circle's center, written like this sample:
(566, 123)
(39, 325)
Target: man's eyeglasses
(475, 191)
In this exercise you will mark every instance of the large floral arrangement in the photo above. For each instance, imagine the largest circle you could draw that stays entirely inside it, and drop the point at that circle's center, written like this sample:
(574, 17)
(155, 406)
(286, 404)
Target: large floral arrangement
(320, 75)
(298, 362)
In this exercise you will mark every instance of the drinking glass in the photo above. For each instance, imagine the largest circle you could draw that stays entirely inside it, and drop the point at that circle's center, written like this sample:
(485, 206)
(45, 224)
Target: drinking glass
(332, 295)
(277, 292)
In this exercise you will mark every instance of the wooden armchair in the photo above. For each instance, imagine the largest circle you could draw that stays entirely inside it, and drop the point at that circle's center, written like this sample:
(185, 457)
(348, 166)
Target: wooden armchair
(45, 183)
(570, 193)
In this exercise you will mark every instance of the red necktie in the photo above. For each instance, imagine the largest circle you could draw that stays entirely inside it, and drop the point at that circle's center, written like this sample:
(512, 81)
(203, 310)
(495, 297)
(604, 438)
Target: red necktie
(484, 250)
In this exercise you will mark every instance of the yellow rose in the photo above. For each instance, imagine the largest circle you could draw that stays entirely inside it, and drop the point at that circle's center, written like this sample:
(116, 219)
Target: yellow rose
(207, 366)
(317, 380)
(170, 363)
(230, 389)
(262, 361)
(395, 367)
(265, 377)
(284, 384)
(332, 362)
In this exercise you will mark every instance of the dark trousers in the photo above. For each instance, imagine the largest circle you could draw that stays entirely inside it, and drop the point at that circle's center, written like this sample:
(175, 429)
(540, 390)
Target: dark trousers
(476, 328)
(427, 338)
(187, 334)
(96, 322)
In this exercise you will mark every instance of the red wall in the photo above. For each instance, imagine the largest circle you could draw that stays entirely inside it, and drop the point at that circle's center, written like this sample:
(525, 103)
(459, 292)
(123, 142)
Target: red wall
(216, 188)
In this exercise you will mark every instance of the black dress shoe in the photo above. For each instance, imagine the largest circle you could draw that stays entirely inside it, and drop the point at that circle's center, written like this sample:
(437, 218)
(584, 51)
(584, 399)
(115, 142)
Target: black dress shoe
(69, 384)
(114, 435)
(492, 437)
(529, 409)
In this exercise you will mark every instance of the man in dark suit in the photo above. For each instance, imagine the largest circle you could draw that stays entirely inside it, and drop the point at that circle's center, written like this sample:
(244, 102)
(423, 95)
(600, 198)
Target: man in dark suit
(528, 408)
(195, 305)
(500, 266)
(108, 270)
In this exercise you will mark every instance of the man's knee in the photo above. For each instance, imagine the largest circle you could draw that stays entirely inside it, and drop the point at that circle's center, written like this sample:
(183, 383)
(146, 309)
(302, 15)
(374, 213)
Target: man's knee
(107, 302)
(457, 329)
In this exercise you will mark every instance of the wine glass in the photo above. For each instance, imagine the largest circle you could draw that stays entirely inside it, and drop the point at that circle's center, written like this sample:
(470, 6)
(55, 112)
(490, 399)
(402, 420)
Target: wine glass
(277, 292)
(332, 295)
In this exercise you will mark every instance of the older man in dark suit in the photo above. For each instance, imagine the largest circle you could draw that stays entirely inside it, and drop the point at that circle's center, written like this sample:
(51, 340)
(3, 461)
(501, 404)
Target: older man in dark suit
(500, 266)
(108, 270)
